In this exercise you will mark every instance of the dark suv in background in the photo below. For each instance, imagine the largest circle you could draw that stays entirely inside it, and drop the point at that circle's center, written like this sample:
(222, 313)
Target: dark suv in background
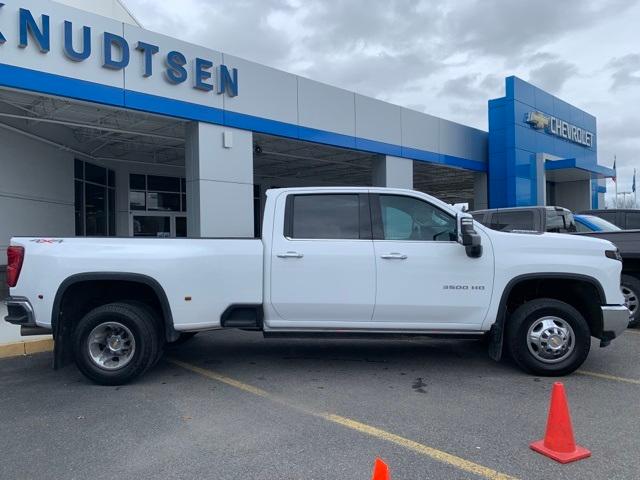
(527, 219)
(539, 219)
(625, 218)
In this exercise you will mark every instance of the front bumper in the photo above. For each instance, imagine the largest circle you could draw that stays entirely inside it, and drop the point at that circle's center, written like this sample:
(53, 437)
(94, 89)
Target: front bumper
(20, 312)
(615, 320)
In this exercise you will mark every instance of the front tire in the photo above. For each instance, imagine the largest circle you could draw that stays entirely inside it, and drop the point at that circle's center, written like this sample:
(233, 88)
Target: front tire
(115, 343)
(630, 287)
(548, 337)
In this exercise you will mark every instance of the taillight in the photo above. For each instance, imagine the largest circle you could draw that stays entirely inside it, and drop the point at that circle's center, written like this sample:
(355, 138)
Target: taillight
(15, 256)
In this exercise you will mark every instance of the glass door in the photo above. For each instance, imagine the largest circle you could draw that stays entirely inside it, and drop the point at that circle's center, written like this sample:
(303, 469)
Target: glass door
(157, 206)
(147, 224)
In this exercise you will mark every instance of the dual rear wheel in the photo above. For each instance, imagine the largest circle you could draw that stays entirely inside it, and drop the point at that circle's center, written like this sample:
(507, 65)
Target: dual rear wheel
(117, 342)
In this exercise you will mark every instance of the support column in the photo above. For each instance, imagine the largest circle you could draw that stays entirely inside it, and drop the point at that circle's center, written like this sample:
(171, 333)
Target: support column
(480, 191)
(541, 179)
(392, 172)
(601, 188)
(575, 195)
(219, 170)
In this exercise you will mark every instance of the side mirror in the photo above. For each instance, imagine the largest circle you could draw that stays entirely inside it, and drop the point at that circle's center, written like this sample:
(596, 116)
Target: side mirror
(468, 237)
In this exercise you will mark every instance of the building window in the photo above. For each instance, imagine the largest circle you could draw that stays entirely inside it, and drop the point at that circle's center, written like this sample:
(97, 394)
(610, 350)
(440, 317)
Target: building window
(95, 200)
(158, 205)
(153, 193)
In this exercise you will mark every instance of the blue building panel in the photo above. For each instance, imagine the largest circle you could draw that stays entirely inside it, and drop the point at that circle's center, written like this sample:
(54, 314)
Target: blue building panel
(525, 191)
(499, 143)
(527, 125)
(544, 101)
(517, 88)
(524, 138)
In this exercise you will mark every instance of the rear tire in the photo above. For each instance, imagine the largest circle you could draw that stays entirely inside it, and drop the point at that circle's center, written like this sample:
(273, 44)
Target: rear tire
(630, 287)
(115, 343)
(548, 337)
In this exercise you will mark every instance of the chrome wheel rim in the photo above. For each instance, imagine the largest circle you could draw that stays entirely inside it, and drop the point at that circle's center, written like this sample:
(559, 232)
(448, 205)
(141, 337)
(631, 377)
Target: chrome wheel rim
(111, 345)
(630, 300)
(550, 339)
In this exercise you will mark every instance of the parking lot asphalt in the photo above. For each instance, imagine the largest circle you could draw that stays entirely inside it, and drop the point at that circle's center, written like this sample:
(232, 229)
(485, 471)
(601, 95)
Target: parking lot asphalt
(232, 405)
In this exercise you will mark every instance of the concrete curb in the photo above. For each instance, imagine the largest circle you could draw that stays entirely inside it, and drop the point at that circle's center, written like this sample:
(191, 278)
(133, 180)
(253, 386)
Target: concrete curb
(16, 349)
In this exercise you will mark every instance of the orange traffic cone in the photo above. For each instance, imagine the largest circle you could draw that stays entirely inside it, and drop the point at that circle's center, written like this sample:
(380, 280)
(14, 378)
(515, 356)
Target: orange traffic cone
(380, 471)
(558, 442)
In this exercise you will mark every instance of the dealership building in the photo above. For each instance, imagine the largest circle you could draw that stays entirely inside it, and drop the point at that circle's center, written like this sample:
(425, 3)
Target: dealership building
(108, 129)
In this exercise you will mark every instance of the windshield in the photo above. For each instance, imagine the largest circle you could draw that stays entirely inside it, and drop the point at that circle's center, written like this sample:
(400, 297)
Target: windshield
(601, 224)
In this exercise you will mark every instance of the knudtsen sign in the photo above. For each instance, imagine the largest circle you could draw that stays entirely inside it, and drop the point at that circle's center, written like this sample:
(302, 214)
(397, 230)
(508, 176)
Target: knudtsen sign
(559, 128)
(116, 54)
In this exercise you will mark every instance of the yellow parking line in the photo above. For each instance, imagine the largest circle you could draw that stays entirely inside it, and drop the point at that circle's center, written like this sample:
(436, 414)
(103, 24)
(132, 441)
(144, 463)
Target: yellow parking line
(608, 377)
(221, 378)
(433, 453)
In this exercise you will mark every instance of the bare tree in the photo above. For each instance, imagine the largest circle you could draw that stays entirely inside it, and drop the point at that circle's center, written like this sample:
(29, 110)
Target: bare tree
(625, 200)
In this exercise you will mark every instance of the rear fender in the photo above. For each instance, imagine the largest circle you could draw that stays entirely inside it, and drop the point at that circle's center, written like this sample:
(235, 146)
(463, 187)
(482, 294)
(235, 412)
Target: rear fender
(62, 330)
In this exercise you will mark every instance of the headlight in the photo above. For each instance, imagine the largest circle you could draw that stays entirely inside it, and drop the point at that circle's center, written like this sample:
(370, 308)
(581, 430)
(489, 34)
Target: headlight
(613, 254)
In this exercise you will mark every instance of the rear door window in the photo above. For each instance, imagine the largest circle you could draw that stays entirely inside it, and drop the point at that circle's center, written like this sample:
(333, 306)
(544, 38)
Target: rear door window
(326, 216)
(519, 220)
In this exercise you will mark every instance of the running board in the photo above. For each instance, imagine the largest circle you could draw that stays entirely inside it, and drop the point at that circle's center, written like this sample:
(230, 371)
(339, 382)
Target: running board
(361, 334)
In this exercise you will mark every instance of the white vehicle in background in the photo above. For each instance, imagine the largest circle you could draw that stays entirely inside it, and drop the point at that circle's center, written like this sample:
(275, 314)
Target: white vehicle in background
(338, 262)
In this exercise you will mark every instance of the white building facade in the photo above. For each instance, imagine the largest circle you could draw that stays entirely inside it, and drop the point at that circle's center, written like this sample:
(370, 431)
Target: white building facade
(110, 129)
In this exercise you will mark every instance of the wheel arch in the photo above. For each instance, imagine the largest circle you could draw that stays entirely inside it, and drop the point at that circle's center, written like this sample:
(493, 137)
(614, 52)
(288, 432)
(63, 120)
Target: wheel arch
(60, 328)
(592, 314)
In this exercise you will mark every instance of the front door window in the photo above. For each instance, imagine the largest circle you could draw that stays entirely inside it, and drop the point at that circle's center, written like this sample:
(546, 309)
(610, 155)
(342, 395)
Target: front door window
(408, 218)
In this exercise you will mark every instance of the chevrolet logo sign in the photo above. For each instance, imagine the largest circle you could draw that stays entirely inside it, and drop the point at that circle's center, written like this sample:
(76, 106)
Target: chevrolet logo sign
(559, 128)
(537, 120)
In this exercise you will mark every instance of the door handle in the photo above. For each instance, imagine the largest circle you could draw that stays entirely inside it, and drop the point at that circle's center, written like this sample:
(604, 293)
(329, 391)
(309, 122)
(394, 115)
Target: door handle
(290, 255)
(394, 256)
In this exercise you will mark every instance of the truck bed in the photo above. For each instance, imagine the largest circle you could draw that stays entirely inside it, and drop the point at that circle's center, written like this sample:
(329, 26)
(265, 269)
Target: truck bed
(201, 277)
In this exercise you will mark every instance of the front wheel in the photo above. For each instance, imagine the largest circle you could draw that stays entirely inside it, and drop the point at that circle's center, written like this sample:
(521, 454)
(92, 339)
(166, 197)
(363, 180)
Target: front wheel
(630, 287)
(548, 337)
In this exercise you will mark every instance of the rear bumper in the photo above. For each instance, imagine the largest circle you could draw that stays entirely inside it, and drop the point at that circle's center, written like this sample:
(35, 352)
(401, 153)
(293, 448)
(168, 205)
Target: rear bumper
(20, 312)
(615, 320)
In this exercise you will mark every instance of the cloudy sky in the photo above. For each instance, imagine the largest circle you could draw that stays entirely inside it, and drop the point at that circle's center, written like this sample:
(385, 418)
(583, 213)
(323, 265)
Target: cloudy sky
(445, 57)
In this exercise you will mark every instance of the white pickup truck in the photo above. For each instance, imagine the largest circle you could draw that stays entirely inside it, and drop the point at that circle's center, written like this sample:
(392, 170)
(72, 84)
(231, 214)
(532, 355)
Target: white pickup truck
(338, 262)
